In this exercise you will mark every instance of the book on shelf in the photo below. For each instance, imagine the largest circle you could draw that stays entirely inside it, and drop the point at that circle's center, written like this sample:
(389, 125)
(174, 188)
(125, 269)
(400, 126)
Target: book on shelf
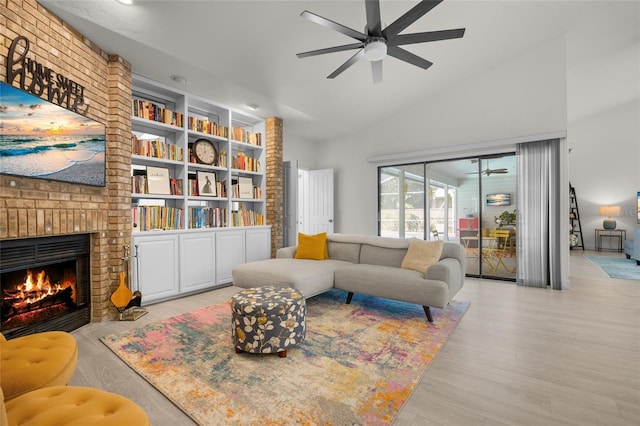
(257, 193)
(192, 186)
(242, 217)
(242, 135)
(243, 162)
(139, 181)
(156, 149)
(147, 218)
(222, 159)
(207, 217)
(176, 186)
(222, 188)
(151, 111)
(208, 127)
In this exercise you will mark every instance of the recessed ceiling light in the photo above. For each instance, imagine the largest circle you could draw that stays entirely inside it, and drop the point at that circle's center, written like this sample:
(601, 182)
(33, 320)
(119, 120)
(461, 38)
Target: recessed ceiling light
(179, 79)
(252, 107)
(126, 2)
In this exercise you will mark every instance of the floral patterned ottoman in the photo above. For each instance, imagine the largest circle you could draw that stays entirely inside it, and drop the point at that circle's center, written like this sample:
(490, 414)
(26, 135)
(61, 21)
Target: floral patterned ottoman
(267, 319)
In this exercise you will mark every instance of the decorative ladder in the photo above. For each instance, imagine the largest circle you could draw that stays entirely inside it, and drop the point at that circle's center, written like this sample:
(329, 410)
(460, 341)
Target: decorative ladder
(574, 220)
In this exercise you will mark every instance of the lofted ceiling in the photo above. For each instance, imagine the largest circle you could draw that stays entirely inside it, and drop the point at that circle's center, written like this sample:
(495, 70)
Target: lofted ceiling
(244, 52)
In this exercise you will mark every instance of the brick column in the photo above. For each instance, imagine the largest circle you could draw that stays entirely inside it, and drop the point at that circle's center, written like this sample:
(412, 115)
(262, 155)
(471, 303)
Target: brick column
(275, 182)
(118, 183)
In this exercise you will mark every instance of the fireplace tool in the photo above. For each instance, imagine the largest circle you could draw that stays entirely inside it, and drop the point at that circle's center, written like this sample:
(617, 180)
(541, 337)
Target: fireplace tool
(127, 303)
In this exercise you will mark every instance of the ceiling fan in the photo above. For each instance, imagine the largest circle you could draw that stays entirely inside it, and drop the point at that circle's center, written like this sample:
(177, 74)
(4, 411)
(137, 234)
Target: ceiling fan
(489, 171)
(375, 42)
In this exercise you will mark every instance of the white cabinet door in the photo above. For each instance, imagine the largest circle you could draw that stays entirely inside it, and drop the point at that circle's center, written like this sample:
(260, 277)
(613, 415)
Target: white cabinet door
(230, 251)
(258, 244)
(155, 269)
(197, 261)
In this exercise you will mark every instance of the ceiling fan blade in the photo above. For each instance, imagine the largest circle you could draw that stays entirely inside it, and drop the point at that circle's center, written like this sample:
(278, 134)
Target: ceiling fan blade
(402, 39)
(409, 18)
(374, 24)
(333, 25)
(376, 71)
(330, 50)
(409, 57)
(352, 60)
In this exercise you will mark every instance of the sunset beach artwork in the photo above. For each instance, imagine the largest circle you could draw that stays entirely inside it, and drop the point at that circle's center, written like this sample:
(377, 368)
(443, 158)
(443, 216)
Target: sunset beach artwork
(41, 140)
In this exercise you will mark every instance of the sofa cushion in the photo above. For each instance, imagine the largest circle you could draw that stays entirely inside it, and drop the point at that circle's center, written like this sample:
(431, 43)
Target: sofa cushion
(310, 277)
(392, 283)
(349, 252)
(312, 247)
(422, 254)
(375, 255)
(388, 242)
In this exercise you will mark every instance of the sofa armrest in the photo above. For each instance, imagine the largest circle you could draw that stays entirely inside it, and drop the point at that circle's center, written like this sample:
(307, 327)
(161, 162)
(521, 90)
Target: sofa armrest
(286, 252)
(448, 270)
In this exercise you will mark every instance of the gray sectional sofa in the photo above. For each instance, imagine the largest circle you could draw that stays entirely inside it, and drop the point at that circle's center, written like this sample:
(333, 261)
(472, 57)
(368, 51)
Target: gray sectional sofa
(362, 264)
(632, 247)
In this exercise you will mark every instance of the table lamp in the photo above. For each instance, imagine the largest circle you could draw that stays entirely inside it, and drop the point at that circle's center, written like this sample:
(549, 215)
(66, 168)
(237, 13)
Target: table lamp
(609, 211)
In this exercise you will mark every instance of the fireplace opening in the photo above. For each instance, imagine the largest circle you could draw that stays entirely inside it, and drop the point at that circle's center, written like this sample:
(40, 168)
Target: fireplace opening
(44, 284)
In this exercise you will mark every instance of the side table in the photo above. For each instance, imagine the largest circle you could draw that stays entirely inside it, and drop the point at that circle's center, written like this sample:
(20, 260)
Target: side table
(620, 234)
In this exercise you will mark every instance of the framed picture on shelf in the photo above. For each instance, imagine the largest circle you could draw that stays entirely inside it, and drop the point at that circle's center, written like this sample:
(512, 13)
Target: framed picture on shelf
(207, 184)
(245, 187)
(158, 180)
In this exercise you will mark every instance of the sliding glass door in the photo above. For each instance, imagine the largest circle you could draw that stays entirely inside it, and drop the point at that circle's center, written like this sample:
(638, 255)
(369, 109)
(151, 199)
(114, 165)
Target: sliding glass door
(402, 201)
(471, 201)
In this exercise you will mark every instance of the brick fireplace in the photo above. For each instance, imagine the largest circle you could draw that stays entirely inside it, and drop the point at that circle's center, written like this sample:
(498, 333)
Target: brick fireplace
(44, 284)
(34, 209)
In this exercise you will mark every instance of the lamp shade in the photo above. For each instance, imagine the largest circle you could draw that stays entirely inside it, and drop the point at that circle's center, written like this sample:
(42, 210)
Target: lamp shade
(609, 211)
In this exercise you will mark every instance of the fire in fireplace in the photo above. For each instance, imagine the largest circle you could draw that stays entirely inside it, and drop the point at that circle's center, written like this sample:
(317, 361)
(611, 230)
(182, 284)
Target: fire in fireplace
(29, 297)
(45, 284)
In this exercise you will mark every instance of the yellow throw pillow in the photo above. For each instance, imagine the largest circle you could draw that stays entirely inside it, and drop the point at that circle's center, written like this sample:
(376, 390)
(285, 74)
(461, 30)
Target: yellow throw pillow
(422, 254)
(312, 246)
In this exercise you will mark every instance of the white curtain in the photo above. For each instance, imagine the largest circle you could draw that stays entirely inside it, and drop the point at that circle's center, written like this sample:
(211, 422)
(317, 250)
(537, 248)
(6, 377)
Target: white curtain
(543, 214)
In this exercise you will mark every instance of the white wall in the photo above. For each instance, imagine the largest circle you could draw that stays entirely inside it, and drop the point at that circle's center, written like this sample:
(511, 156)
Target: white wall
(296, 148)
(522, 97)
(603, 104)
(586, 83)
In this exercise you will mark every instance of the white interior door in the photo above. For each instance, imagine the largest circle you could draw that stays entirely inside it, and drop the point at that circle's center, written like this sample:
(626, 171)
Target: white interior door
(321, 201)
(291, 203)
(303, 202)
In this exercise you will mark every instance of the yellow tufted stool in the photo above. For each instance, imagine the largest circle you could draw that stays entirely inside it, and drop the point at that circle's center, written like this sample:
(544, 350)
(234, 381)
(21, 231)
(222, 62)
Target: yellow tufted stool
(36, 361)
(72, 406)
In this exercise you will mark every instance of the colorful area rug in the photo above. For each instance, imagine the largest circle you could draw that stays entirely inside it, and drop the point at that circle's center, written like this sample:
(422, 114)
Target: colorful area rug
(617, 267)
(358, 364)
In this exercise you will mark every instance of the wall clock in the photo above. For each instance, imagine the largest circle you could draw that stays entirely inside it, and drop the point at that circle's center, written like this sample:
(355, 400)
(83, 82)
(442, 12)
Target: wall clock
(205, 152)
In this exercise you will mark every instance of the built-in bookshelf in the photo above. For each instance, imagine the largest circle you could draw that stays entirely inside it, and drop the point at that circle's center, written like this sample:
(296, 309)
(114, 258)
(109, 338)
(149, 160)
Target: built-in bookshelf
(197, 185)
(172, 189)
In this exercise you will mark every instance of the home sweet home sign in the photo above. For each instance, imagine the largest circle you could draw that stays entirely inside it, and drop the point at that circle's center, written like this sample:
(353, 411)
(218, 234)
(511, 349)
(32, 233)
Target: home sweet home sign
(38, 79)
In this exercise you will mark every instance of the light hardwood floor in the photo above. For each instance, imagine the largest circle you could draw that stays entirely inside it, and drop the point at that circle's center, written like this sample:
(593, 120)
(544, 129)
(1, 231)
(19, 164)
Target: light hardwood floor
(520, 356)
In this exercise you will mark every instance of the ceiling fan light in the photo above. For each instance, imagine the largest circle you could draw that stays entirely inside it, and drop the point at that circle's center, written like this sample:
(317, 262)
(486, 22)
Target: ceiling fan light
(375, 50)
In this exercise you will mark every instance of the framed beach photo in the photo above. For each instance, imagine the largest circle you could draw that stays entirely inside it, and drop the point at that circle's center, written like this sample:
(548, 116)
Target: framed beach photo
(41, 140)
(158, 180)
(502, 199)
(207, 184)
